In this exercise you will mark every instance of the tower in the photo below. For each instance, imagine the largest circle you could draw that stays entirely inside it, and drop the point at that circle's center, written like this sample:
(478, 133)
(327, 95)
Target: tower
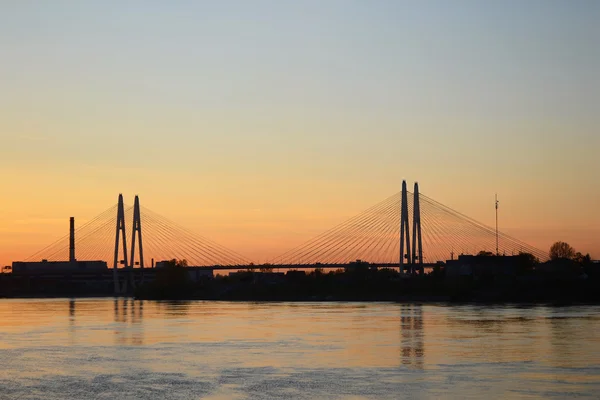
(137, 228)
(72, 240)
(497, 252)
(404, 230)
(417, 244)
(120, 233)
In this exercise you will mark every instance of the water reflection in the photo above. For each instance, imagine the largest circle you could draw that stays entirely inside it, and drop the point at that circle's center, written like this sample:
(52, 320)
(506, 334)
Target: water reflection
(128, 314)
(72, 325)
(567, 333)
(485, 319)
(412, 335)
(137, 313)
(123, 348)
(175, 308)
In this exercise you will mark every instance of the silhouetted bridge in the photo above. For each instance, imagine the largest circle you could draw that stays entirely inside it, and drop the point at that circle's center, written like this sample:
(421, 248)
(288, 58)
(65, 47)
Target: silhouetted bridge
(408, 230)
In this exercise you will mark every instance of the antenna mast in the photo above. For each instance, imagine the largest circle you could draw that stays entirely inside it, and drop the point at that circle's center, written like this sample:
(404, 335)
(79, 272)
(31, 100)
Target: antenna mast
(497, 253)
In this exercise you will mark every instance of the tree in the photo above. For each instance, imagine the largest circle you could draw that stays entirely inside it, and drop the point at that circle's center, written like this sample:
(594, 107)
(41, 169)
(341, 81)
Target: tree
(529, 259)
(561, 250)
(484, 253)
(581, 259)
(266, 268)
(526, 262)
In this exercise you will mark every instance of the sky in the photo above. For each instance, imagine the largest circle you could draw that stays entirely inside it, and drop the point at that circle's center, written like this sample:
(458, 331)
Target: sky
(260, 124)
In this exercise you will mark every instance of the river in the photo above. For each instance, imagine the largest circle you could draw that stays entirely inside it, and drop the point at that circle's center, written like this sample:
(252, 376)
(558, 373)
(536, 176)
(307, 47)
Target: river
(126, 349)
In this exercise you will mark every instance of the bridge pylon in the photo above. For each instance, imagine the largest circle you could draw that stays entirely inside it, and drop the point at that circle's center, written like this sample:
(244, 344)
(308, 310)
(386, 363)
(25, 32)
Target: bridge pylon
(129, 279)
(417, 243)
(405, 256)
(120, 234)
(137, 229)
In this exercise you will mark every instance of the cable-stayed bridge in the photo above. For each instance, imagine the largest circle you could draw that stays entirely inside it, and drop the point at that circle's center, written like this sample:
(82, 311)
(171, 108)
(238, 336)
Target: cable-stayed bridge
(162, 240)
(374, 236)
(406, 230)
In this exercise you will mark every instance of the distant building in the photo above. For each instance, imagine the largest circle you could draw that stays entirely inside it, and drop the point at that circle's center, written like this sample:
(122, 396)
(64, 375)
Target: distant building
(356, 264)
(561, 267)
(293, 274)
(162, 264)
(269, 277)
(196, 273)
(478, 265)
(60, 267)
(57, 267)
(199, 273)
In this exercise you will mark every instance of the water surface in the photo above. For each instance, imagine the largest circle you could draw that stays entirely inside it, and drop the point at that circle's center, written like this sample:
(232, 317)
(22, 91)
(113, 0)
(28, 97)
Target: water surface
(125, 349)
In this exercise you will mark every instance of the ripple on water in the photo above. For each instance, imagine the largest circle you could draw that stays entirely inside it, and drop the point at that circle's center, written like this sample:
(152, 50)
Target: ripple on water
(117, 349)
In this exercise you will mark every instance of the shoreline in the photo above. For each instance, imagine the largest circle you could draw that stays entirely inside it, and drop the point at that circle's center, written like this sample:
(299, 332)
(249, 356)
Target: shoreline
(440, 300)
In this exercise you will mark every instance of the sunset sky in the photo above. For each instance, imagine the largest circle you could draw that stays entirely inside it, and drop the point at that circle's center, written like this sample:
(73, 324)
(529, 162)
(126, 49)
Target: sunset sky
(260, 124)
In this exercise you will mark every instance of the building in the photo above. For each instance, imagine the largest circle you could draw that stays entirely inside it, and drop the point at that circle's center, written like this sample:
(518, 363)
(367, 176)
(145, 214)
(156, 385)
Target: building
(199, 273)
(58, 267)
(196, 273)
(480, 265)
(46, 267)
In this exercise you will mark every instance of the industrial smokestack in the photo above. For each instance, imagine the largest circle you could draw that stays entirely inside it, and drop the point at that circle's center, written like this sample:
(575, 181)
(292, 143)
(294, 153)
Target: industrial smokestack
(72, 240)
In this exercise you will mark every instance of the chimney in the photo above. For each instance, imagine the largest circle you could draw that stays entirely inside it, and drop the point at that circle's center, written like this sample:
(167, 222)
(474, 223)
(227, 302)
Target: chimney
(72, 240)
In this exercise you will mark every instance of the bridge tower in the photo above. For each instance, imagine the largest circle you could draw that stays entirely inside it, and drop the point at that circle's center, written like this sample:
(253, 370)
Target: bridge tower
(404, 231)
(137, 228)
(417, 244)
(72, 240)
(120, 233)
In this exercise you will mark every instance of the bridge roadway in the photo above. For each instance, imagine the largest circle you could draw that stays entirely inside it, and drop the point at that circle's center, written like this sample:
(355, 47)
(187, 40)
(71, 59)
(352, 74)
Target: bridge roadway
(302, 266)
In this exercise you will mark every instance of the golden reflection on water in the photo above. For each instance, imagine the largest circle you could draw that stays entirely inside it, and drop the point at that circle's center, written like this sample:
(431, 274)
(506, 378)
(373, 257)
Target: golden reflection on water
(501, 344)
(344, 334)
(411, 332)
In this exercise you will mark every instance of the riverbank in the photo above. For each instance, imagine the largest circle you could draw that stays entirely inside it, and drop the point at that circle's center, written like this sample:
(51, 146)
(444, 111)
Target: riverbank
(368, 284)
(375, 285)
